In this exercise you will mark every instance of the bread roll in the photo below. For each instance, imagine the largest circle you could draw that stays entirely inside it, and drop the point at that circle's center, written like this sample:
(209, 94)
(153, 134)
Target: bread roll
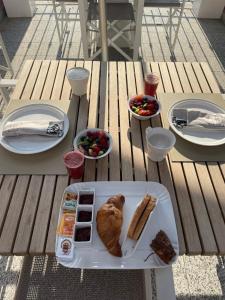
(144, 218)
(140, 217)
(136, 217)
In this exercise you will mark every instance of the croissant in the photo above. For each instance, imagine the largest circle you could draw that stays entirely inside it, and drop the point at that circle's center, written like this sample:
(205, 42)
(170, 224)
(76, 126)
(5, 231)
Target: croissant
(109, 223)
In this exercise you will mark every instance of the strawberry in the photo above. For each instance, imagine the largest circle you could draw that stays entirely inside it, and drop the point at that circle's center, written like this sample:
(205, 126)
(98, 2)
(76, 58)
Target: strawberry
(103, 143)
(92, 134)
(150, 106)
(139, 98)
(145, 113)
(101, 135)
(96, 149)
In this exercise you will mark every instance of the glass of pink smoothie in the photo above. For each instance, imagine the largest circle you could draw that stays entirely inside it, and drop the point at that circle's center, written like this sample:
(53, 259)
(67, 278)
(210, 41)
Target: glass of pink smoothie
(74, 162)
(151, 84)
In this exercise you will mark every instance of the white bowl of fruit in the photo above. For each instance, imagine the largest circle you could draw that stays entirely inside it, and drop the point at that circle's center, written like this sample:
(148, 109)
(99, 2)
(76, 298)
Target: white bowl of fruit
(144, 107)
(94, 143)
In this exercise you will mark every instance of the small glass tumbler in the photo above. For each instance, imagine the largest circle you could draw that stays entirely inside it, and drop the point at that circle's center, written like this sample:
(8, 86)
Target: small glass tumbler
(151, 84)
(74, 162)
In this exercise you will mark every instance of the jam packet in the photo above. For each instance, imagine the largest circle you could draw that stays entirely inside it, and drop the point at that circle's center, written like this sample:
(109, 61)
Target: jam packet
(65, 248)
(66, 225)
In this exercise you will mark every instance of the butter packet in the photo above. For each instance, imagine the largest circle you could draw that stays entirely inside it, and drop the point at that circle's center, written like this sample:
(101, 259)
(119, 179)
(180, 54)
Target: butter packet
(65, 248)
(70, 205)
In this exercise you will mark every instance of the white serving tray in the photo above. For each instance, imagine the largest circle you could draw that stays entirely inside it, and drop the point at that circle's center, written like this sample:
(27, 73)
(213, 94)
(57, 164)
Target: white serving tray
(203, 137)
(97, 257)
(31, 144)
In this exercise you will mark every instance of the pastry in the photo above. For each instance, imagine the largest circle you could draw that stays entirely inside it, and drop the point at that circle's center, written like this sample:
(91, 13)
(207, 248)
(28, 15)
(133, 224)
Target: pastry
(163, 247)
(109, 223)
(140, 217)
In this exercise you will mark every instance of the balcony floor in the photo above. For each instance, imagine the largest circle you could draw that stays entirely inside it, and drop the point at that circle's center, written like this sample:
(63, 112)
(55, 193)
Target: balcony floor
(199, 40)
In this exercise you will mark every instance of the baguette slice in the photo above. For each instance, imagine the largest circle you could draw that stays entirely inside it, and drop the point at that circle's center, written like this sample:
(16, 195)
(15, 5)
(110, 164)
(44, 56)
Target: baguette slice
(137, 215)
(144, 218)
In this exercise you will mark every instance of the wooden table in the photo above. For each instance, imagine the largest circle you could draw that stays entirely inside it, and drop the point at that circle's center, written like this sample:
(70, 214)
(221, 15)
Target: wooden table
(29, 205)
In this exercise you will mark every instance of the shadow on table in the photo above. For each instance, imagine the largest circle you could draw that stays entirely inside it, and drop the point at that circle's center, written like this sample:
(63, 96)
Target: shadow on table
(42, 278)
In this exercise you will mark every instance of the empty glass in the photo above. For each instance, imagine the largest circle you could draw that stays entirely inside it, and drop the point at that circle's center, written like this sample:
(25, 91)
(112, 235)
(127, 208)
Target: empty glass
(159, 142)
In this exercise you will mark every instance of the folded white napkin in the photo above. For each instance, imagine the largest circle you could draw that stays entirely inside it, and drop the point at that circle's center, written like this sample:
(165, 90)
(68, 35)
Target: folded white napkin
(36, 127)
(200, 118)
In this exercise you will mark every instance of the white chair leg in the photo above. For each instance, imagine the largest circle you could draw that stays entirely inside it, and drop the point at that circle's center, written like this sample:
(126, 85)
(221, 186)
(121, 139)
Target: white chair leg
(165, 284)
(6, 56)
(5, 95)
(65, 18)
(112, 43)
(4, 84)
(83, 26)
(178, 27)
(118, 32)
(57, 21)
(137, 35)
(170, 26)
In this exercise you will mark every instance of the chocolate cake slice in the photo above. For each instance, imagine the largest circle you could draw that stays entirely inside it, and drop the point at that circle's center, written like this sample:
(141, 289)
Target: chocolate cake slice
(163, 247)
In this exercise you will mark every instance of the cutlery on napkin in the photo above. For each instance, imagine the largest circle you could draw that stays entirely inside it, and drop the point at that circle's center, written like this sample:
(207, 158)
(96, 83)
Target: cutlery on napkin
(196, 118)
(35, 127)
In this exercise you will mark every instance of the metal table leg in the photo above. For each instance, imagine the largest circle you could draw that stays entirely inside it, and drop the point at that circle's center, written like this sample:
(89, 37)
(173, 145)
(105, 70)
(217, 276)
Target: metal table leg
(103, 29)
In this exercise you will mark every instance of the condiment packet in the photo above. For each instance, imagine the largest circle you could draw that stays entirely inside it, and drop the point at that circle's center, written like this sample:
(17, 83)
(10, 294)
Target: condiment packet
(66, 225)
(65, 248)
(70, 205)
(69, 201)
(70, 196)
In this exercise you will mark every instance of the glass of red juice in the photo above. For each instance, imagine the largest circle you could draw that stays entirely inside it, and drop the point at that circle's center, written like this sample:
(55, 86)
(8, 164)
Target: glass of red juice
(74, 162)
(151, 84)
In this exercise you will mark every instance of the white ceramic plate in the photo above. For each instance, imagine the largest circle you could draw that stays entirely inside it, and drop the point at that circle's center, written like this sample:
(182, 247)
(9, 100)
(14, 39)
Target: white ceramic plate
(33, 143)
(97, 257)
(203, 137)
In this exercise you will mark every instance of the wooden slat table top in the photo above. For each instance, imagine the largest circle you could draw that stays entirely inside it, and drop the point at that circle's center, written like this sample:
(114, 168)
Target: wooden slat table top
(30, 204)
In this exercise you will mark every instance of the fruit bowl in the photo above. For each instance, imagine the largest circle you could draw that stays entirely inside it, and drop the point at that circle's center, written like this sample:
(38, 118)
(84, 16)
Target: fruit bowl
(94, 143)
(144, 107)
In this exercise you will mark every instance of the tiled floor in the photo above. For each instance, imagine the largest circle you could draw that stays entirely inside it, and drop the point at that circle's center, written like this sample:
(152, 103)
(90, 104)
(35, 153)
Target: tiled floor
(195, 277)
(37, 38)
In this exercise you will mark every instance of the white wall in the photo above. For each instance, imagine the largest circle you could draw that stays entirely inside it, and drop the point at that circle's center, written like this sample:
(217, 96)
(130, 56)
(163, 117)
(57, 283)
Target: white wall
(211, 9)
(19, 8)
